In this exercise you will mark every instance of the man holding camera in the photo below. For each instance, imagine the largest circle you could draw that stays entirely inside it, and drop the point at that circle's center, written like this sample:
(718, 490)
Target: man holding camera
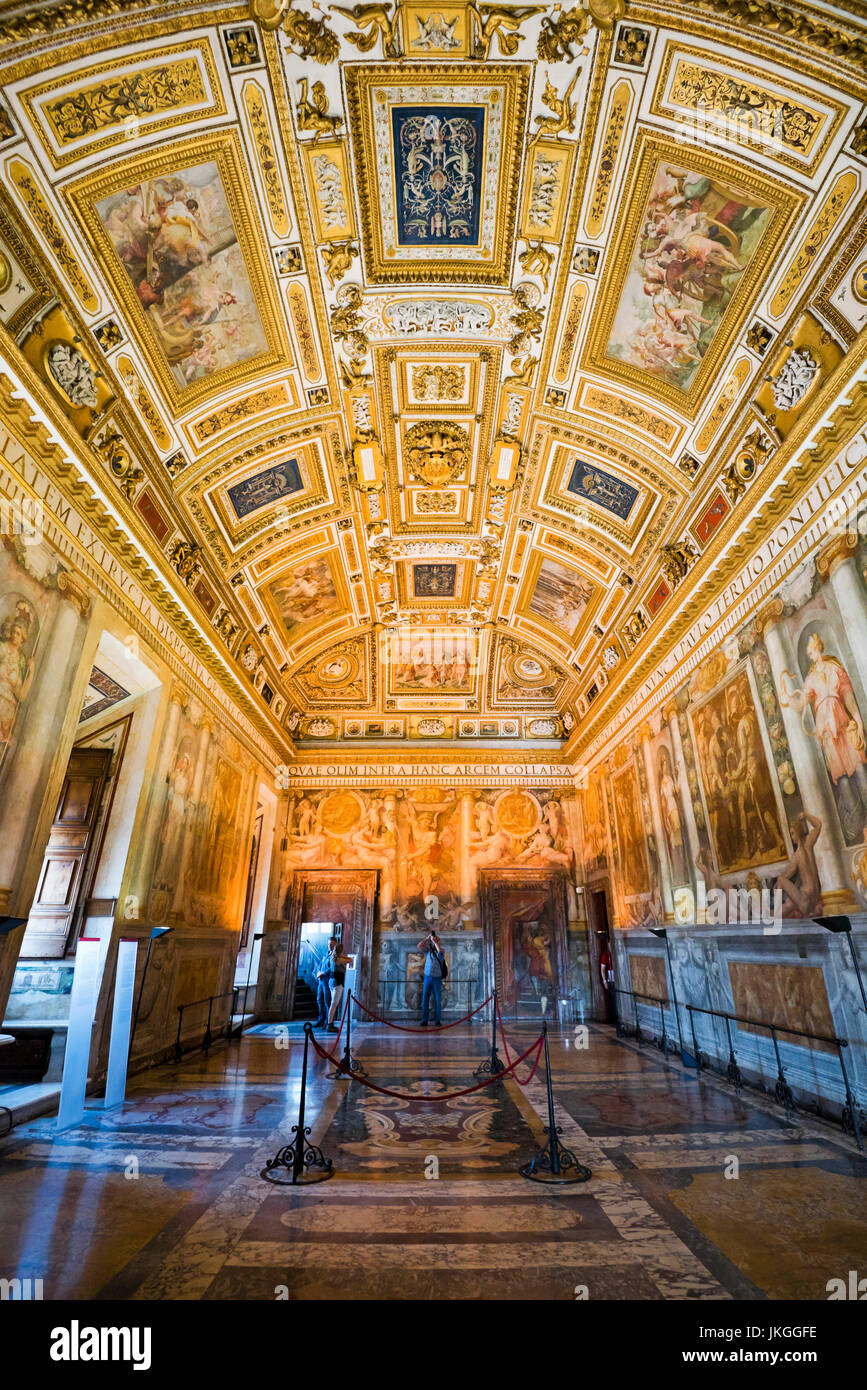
(435, 970)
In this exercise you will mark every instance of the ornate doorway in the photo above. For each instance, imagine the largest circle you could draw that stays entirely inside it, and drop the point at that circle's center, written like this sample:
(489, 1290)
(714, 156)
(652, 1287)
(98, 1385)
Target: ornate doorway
(524, 932)
(345, 896)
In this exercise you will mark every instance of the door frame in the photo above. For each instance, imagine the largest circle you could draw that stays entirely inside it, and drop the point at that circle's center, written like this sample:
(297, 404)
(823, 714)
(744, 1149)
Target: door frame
(53, 946)
(363, 885)
(491, 885)
(604, 1008)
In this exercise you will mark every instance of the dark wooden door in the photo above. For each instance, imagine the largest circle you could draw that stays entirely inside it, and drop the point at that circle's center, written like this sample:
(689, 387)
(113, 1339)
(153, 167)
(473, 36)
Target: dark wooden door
(599, 932)
(62, 876)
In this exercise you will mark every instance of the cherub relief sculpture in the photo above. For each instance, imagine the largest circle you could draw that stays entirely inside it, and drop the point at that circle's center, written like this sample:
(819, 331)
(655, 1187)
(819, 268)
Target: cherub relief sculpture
(372, 20)
(312, 112)
(563, 119)
(338, 257)
(313, 37)
(502, 22)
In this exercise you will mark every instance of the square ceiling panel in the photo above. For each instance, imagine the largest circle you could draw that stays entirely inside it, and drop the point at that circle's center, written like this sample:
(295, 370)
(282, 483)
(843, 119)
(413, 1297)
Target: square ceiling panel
(437, 154)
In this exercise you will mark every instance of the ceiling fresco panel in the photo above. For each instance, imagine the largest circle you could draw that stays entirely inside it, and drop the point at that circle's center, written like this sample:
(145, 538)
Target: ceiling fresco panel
(175, 236)
(437, 158)
(694, 237)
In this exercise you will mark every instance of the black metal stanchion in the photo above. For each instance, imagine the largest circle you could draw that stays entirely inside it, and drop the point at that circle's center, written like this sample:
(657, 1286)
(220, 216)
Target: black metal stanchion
(302, 1160)
(347, 1062)
(553, 1163)
(782, 1090)
(492, 1066)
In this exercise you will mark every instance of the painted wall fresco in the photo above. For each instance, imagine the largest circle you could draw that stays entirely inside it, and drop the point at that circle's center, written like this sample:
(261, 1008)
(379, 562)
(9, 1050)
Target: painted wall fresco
(177, 243)
(433, 842)
(697, 239)
(788, 994)
(43, 623)
(754, 775)
(743, 817)
(805, 982)
(191, 866)
(188, 869)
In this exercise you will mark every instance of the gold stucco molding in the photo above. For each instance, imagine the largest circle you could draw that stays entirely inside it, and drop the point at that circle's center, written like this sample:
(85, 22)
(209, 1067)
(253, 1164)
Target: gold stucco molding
(838, 550)
(75, 490)
(769, 615)
(712, 574)
(73, 589)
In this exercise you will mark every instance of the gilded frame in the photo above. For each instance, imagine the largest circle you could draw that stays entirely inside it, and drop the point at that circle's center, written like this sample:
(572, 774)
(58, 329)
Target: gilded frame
(133, 64)
(493, 885)
(831, 112)
(226, 151)
(783, 200)
(513, 80)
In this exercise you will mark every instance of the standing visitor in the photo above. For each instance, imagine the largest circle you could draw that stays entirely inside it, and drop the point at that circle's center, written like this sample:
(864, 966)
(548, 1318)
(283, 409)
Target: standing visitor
(323, 990)
(337, 964)
(435, 970)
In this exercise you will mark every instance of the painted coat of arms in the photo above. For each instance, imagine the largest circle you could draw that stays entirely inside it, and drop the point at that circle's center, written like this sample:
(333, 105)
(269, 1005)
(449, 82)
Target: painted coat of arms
(438, 158)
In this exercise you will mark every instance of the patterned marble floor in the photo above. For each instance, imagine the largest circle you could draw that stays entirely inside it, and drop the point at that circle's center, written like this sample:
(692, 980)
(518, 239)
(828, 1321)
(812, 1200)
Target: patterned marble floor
(163, 1199)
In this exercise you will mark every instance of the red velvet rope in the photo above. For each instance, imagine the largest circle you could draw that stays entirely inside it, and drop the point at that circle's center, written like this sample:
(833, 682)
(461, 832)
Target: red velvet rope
(451, 1095)
(506, 1046)
(528, 1079)
(442, 1026)
(503, 1031)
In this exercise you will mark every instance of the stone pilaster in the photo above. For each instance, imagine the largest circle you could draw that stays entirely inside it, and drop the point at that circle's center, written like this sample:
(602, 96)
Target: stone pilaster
(816, 792)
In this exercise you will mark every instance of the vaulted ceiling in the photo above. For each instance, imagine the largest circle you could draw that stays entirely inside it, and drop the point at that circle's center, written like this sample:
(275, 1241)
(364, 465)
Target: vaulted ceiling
(434, 352)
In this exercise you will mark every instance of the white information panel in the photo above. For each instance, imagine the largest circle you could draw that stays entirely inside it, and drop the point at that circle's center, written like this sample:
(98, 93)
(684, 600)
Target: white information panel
(351, 983)
(82, 1011)
(121, 1019)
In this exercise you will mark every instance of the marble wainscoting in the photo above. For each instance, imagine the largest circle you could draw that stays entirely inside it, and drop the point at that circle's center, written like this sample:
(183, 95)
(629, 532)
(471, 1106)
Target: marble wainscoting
(802, 977)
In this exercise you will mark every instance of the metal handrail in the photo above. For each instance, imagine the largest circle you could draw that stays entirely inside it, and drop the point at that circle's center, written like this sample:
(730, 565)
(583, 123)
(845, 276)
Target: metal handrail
(782, 1089)
(760, 1023)
(448, 983)
(209, 1000)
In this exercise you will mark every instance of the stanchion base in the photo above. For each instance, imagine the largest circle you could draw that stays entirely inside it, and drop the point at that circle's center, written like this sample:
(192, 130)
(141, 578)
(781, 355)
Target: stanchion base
(347, 1064)
(315, 1167)
(545, 1167)
(492, 1066)
(536, 1171)
(304, 1178)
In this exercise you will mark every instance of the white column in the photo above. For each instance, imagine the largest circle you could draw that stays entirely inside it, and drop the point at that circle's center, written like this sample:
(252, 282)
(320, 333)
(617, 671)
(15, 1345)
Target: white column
(466, 834)
(177, 701)
(659, 834)
(836, 565)
(34, 739)
(809, 765)
(386, 884)
(670, 713)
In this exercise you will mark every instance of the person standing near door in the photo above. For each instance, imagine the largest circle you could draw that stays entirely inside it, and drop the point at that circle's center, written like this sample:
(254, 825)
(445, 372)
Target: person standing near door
(323, 991)
(606, 965)
(337, 964)
(434, 969)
